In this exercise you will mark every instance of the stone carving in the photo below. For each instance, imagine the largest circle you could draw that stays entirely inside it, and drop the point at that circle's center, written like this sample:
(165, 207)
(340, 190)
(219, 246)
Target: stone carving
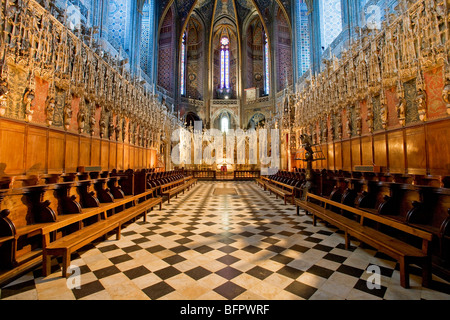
(33, 42)
(4, 91)
(81, 117)
(50, 109)
(421, 98)
(401, 105)
(415, 41)
(67, 110)
(102, 123)
(28, 98)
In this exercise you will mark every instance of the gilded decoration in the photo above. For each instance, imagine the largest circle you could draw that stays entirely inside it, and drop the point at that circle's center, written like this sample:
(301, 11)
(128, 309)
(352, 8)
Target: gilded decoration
(400, 59)
(86, 84)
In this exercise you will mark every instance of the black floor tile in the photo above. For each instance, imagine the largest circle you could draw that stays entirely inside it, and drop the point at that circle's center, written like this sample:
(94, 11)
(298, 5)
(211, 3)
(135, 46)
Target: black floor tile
(87, 289)
(158, 290)
(300, 289)
(136, 272)
(259, 272)
(228, 273)
(229, 290)
(167, 272)
(198, 273)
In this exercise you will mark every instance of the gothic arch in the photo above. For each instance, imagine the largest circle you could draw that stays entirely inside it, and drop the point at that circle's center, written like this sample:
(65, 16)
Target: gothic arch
(283, 51)
(257, 119)
(166, 57)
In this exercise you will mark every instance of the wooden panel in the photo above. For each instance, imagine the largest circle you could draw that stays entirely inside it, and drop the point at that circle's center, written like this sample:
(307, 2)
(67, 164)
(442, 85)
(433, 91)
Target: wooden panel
(140, 154)
(36, 150)
(415, 147)
(120, 163)
(438, 147)
(112, 155)
(396, 152)
(55, 152)
(104, 155)
(126, 156)
(72, 151)
(153, 158)
(85, 151)
(95, 152)
(356, 152)
(337, 156)
(131, 154)
(141, 157)
(366, 151)
(145, 158)
(323, 164)
(379, 147)
(12, 147)
(346, 156)
(330, 157)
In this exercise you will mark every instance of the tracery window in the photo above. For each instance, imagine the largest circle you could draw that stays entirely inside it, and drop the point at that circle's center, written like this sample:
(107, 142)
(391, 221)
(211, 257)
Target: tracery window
(303, 42)
(225, 63)
(330, 21)
(147, 39)
(266, 65)
(183, 65)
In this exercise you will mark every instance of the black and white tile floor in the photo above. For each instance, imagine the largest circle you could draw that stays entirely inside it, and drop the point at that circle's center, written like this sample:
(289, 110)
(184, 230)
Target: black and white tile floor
(205, 246)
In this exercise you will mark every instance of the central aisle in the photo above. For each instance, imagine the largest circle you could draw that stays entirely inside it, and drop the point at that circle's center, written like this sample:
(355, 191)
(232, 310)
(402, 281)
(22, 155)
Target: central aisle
(223, 240)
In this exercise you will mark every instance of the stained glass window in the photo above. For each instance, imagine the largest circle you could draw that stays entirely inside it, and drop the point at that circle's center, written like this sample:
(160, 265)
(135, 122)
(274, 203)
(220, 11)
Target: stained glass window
(147, 39)
(266, 65)
(303, 42)
(225, 63)
(183, 65)
(330, 21)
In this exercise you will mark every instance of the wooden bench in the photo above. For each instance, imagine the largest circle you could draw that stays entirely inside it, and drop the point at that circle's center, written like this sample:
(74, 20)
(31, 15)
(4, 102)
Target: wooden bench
(65, 245)
(172, 188)
(403, 252)
(280, 189)
(261, 181)
(175, 187)
(190, 182)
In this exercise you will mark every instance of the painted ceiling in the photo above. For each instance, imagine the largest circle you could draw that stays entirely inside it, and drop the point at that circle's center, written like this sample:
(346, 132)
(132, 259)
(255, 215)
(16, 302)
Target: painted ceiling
(236, 9)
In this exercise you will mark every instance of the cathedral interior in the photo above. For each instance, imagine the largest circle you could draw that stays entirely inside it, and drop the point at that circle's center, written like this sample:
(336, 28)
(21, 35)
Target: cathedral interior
(355, 95)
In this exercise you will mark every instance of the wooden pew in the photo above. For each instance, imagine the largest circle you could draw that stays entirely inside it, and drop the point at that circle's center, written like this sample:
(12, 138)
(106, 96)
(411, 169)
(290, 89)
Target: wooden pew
(38, 202)
(261, 181)
(280, 189)
(173, 188)
(86, 233)
(403, 252)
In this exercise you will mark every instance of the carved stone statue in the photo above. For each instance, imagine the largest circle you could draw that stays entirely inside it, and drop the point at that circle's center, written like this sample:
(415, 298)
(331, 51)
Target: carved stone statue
(67, 111)
(111, 127)
(401, 110)
(50, 110)
(28, 98)
(102, 123)
(4, 91)
(81, 117)
(421, 100)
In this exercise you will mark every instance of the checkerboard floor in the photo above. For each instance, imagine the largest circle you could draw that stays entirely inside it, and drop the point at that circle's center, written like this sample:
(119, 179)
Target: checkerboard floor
(209, 245)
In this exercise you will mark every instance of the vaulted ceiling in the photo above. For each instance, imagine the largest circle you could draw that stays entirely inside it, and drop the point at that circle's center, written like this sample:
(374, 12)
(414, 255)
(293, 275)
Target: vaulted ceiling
(212, 9)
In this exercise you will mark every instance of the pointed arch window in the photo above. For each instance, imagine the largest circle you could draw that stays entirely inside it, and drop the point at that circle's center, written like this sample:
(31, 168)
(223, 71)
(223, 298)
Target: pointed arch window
(225, 63)
(266, 65)
(183, 65)
(224, 124)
